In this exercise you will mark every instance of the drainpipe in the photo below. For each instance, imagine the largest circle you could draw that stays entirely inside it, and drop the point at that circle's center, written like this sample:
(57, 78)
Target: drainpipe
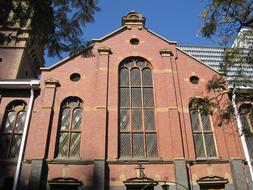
(242, 136)
(24, 137)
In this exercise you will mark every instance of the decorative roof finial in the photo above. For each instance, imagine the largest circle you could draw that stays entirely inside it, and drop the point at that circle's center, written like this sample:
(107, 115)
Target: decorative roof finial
(133, 19)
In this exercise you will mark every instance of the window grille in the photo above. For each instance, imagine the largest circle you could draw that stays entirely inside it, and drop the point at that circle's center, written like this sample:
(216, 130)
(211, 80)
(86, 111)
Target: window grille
(203, 136)
(70, 129)
(247, 124)
(12, 131)
(136, 110)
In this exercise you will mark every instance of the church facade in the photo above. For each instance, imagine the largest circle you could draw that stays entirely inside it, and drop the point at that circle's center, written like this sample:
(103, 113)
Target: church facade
(118, 116)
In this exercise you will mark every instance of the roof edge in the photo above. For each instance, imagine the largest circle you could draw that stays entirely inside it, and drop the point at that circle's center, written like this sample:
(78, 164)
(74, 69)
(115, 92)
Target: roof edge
(109, 35)
(65, 59)
(157, 35)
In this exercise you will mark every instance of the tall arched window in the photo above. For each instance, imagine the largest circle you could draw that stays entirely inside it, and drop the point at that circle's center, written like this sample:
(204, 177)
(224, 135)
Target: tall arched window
(12, 129)
(246, 116)
(136, 110)
(70, 128)
(202, 133)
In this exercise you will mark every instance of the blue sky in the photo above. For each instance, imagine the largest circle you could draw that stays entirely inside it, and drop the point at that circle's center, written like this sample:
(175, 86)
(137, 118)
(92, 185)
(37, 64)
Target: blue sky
(176, 20)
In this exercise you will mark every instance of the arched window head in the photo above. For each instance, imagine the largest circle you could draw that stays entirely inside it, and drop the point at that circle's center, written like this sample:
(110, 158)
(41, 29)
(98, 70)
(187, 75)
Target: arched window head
(12, 129)
(137, 132)
(246, 116)
(203, 136)
(70, 123)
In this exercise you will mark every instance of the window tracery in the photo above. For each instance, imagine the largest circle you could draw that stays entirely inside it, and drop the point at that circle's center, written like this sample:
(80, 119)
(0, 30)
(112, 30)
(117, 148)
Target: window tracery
(12, 129)
(203, 136)
(136, 110)
(70, 128)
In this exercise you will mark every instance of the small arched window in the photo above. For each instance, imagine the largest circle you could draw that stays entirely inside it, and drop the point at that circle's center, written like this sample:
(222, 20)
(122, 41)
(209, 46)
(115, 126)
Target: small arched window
(136, 110)
(246, 115)
(202, 133)
(69, 137)
(12, 129)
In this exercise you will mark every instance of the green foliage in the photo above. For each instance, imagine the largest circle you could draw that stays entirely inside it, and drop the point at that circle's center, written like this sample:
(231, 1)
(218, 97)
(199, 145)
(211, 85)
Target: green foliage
(204, 106)
(56, 25)
(209, 28)
(238, 58)
(224, 18)
(232, 56)
(226, 115)
(222, 22)
(247, 132)
(217, 83)
(242, 98)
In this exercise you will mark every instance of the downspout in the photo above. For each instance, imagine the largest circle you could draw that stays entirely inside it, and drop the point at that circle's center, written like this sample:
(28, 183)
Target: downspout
(242, 136)
(24, 137)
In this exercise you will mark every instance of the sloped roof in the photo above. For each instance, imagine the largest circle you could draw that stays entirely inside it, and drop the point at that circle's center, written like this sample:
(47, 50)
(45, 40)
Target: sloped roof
(94, 40)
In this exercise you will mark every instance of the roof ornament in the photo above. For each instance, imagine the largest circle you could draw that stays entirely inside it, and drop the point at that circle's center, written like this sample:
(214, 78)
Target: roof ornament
(133, 19)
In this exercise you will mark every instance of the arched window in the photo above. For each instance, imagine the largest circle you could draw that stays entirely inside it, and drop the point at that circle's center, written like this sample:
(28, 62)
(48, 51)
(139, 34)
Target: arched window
(202, 133)
(12, 129)
(136, 110)
(247, 124)
(70, 128)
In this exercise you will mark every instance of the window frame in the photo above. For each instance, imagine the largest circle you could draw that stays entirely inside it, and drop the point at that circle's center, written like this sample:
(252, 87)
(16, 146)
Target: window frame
(249, 120)
(247, 115)
(66, 104)
(139, 108)
(203, 132)
(17, 107)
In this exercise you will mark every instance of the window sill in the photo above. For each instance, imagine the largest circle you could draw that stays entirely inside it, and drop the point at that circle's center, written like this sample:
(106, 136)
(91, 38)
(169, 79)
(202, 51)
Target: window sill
(68, 158)
(68, 161)
(139, 159)
(207, 160)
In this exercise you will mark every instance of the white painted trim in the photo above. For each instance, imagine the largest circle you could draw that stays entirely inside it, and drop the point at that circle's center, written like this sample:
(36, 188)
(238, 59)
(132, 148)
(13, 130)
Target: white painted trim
(19, 82)
(24, 137)
(242, 136)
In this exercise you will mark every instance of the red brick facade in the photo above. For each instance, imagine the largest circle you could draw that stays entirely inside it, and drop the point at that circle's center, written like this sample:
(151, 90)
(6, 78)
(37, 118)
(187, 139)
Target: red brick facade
(100, 165)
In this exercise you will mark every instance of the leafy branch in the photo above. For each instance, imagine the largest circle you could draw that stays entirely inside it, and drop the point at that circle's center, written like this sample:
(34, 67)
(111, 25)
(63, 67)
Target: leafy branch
(56, 25)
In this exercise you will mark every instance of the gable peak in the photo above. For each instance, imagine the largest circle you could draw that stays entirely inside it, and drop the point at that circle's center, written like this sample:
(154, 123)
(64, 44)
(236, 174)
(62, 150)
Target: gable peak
(133, 19)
